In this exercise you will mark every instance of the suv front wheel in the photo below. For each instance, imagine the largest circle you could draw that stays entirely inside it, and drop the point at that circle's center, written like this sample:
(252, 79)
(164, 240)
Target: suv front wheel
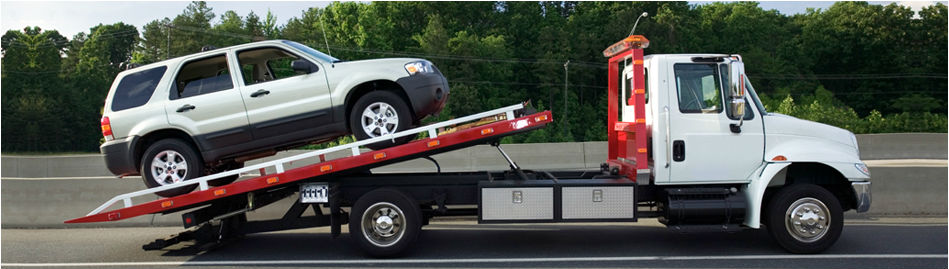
(380, 113)
(170, 161)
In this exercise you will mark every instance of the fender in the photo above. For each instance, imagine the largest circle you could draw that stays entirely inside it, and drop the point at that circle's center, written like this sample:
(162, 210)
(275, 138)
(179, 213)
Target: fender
(754, 191)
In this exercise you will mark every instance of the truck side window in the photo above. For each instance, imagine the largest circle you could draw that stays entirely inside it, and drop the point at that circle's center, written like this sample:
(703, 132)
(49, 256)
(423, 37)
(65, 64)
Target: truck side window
(202, 77)
(699, 88)
(266, 64)
(135, 89)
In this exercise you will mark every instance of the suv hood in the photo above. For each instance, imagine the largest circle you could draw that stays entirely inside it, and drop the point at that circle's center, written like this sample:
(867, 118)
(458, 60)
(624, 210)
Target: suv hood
(780, 124)
(400, 62)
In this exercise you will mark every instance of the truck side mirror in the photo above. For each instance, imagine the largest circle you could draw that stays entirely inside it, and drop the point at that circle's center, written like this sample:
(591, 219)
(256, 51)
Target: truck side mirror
(301, 65)
(736, 73)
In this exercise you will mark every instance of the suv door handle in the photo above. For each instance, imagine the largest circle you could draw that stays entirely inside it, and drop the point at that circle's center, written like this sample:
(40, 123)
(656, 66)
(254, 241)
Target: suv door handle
(678, 150)
(185, 108)
(259, 93)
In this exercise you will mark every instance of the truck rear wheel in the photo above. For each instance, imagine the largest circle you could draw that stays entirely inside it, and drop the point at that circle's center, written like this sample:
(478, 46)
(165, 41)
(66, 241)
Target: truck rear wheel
(804, 218)
(384, 222)
(170, 161)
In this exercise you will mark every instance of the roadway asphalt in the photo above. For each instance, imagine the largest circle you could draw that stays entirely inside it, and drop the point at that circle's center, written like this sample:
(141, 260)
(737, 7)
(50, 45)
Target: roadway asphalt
(895, 243)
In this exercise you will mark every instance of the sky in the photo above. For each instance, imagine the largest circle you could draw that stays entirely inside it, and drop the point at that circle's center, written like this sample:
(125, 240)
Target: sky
(72, 17)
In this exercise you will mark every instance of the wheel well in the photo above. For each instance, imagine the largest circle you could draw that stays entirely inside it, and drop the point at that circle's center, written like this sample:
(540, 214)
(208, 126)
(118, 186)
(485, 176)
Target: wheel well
(154, 136)
(817, 174)
(376, 85)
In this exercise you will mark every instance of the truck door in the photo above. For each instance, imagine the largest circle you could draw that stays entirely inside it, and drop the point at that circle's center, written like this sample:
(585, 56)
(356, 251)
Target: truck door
(703, 147)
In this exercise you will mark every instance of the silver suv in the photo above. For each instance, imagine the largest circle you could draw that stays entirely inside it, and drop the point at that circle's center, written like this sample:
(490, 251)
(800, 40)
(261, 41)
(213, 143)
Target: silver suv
(194, 115)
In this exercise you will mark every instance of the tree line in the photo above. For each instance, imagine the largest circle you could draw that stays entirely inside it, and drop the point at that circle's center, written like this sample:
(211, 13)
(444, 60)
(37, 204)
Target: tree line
(864, 67)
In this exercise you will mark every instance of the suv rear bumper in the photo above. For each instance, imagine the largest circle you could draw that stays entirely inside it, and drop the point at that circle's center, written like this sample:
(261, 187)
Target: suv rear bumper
(118, 156)
(427, 93)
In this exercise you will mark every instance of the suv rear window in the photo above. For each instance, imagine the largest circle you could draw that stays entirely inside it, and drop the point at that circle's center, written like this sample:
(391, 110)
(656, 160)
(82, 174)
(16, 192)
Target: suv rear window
(135, 89)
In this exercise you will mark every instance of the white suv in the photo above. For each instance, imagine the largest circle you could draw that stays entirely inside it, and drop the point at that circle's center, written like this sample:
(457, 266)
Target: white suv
(186, 117)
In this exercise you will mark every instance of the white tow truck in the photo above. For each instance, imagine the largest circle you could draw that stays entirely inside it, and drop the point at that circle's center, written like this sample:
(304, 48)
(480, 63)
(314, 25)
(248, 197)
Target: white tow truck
(689, 144)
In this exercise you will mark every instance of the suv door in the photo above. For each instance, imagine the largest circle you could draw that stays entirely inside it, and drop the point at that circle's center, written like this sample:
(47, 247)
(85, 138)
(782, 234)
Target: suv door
(203, 100)
(280, 101)
(703, 147)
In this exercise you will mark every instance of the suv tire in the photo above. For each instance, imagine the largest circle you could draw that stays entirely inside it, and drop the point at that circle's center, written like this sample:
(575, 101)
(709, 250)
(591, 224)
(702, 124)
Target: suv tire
(171, 161)
(379, 113)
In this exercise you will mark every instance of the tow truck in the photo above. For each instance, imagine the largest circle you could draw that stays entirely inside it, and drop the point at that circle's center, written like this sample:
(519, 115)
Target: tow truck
(689, 144)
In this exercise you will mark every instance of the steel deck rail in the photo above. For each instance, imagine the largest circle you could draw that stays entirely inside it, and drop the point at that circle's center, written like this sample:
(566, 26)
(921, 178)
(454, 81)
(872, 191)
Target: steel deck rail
(357, 159)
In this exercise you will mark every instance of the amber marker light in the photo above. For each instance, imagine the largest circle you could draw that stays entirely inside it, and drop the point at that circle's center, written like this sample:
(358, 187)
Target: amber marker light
(272, 180)
(540, 118)
(487, 131)
(433, 143)
(166, 204)
(326, 168)
(378, 156)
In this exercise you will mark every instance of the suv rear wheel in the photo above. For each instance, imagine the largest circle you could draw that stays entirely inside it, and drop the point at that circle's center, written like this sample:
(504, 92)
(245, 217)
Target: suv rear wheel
(380, 113)
(170, 161)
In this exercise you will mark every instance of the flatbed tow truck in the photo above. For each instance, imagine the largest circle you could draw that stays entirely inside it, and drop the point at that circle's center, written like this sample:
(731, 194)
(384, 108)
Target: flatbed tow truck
(797, 188)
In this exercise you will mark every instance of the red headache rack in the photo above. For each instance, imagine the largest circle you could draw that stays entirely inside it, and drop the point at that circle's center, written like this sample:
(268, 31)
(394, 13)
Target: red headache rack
(435, 143)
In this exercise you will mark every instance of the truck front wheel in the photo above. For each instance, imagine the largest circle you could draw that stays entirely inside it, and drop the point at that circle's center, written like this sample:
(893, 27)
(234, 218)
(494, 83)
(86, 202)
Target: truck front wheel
(804, 218)
(385, 222)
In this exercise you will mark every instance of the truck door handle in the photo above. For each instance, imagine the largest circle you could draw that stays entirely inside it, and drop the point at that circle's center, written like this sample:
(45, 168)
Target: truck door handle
(260, 92)
(185, 108)
(678, 150)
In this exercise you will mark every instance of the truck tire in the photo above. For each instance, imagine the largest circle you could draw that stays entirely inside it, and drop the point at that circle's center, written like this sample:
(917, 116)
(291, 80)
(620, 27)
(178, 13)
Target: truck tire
(384, 222)
(379, 113)
(170, 161)
(228, 179)
(804, 218)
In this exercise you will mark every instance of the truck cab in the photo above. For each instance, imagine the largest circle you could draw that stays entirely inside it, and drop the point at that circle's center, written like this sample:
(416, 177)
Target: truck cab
(704, 126)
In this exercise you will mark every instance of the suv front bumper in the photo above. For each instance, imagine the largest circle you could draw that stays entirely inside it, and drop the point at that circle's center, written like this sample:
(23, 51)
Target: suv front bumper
(118, 156)
(427, 93)
(862, 192)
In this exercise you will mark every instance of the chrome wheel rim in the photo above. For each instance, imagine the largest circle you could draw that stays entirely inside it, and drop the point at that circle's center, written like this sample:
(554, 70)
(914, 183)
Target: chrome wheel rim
(383, 224)
(169, 167)
(807, 220)
(379, 119)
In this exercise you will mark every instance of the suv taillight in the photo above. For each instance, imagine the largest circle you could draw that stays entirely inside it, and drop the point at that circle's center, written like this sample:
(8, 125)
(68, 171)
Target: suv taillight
(107, 129)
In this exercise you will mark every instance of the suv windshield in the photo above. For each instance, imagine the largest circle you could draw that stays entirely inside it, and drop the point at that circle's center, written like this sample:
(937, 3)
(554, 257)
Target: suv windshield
(312, 52)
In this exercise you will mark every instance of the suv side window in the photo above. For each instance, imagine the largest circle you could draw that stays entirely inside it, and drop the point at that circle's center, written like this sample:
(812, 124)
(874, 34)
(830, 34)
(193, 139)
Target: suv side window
(699, 88)
(135, 89)
(202, 77)
(267, 64)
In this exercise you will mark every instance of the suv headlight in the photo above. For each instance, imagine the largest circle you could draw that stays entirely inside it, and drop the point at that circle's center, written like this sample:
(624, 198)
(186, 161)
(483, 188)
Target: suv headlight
(419, 67)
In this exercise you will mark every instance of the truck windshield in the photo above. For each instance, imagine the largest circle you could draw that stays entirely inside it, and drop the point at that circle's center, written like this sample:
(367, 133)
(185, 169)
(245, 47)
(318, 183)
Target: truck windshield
(312, 52)
(754, 96)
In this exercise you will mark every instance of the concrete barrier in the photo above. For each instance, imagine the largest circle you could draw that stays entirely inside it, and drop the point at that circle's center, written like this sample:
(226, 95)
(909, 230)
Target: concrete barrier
(897, 191)
(903, 146)
(535, 156)
(74, 185)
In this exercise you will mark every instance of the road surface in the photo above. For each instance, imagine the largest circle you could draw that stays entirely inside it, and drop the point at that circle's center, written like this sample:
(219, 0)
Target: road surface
(895, 243)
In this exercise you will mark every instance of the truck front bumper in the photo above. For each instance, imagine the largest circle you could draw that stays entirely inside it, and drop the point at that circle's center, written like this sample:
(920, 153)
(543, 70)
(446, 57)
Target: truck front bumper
(862, 192)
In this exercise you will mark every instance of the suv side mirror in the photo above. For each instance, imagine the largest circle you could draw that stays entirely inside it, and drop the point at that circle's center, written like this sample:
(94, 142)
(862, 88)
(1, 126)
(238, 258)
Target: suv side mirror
(301, 65)
(736, 73)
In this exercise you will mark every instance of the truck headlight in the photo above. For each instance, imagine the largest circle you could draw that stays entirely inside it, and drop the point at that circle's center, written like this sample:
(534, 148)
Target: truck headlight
(862, 167)
(419, 67)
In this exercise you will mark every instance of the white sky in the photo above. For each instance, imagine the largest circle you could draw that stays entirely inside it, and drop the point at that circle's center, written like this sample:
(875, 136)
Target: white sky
(72, 17)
